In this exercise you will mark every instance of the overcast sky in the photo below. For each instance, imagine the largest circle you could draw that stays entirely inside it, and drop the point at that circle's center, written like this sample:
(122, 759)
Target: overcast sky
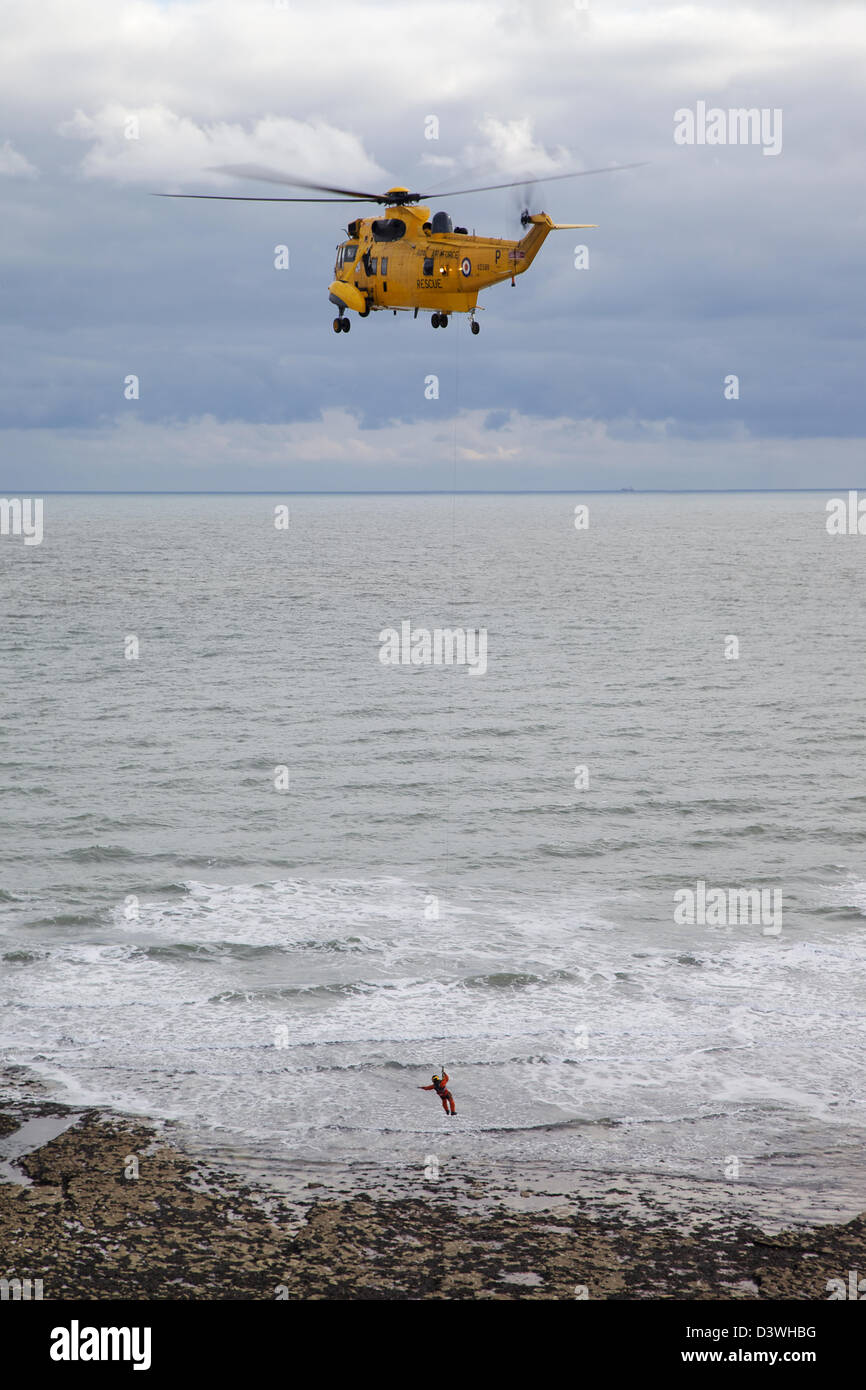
(709, 261)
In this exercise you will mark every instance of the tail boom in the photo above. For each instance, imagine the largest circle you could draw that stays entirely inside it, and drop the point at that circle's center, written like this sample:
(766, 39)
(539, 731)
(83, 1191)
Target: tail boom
(528, 248)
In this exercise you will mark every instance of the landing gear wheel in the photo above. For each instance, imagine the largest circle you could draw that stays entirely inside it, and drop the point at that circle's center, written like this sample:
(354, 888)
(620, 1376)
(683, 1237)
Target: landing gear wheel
(476, 327)
(338, 325)
(435, 320)
(443, 320)
(345, 325)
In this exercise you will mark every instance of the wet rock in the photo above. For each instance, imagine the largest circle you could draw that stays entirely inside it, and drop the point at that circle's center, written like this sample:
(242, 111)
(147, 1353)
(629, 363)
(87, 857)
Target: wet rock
(90, 1228)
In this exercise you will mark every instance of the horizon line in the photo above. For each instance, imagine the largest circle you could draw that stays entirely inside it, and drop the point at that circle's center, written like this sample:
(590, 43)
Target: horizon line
(425, 492)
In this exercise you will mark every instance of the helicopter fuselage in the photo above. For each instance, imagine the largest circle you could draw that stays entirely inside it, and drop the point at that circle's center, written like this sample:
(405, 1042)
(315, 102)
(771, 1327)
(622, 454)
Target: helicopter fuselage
(404, 261)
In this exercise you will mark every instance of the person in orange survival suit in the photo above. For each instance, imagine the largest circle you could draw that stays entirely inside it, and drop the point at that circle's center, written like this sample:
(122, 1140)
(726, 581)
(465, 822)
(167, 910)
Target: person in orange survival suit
(440, 1086)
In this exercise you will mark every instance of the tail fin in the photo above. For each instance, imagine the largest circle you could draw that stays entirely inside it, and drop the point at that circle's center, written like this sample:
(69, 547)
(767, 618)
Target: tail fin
(529, 247)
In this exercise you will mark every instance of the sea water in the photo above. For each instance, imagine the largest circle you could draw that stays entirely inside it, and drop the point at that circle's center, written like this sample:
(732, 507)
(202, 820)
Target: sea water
(261, 883)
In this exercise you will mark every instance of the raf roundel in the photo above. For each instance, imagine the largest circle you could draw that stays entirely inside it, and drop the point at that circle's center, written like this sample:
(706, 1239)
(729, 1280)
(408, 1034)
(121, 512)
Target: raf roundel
(466, 266)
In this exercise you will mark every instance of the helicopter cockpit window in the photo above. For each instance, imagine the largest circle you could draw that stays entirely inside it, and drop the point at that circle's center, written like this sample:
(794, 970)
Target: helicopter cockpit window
(348, 253)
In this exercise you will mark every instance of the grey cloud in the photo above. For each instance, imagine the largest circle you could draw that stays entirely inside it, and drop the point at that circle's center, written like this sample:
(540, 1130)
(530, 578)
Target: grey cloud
(710, 261)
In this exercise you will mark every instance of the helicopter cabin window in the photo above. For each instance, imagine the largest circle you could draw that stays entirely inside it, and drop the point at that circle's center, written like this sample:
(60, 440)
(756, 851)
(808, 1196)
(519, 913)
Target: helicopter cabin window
(384, 265)
(373, 263)
(428, 265)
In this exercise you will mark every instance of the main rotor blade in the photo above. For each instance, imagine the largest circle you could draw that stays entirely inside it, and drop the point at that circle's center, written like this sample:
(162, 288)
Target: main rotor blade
(351, 195)
(260, 171)
(542, 178)
(245, 198)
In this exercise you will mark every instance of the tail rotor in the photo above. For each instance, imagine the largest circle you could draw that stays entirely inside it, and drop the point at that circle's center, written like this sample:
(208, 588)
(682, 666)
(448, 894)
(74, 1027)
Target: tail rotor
(522, 199)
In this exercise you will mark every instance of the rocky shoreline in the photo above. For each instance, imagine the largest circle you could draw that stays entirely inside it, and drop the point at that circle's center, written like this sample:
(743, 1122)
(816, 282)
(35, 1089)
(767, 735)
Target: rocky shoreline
(109, 1208)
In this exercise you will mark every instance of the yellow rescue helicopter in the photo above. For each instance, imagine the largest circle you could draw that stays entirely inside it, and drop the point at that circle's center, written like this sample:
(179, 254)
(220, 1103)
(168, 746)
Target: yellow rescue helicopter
(404, 260)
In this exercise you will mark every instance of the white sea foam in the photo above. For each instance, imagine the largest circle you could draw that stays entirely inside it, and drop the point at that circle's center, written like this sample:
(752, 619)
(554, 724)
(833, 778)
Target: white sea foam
(344, 996)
